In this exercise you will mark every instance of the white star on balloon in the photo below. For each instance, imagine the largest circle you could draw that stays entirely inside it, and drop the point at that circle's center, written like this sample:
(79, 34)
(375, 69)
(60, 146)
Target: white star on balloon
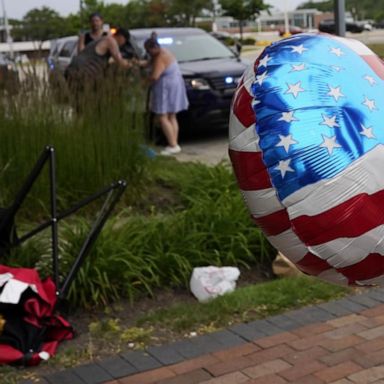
(335, 92)
(286, 142)
(298, 48)
(370, 79)
(367, 132)
(329, 121)
(261, 78)
(297, 68)
(264, 61)
(294, 89)
(336, 51)
(329, 143)
(288, 117)
(337, 68)
(284, 167)
(370, 104)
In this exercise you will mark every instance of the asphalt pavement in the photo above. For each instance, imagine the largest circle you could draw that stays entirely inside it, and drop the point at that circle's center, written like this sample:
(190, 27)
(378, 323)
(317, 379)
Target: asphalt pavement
(210, 151)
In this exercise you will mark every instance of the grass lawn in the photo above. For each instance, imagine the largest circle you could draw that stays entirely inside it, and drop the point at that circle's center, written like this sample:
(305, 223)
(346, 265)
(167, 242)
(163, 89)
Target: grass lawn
(244, 304)
(378, 49)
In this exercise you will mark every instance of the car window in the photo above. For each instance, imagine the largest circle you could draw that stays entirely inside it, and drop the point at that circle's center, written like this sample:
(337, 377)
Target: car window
(68, 48)
(193, 47)
(54, 49)
(2, 60)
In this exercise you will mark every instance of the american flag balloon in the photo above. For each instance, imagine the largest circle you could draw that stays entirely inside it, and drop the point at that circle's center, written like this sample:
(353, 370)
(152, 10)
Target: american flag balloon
(306, 145)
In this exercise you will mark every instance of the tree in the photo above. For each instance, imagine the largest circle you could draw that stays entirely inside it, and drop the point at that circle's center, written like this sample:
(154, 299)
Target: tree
(323, 6)
(115, 14)
(17, 29)
(157, 13)
(71, 25)
(42, 24)
(242, 10)
(138, 14)
(187, 11)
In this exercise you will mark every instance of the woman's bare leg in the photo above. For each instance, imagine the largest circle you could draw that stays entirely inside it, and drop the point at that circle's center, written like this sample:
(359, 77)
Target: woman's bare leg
(168, 129)
(175, 126)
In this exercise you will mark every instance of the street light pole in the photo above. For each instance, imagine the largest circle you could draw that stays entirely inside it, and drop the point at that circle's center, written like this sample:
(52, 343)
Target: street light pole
(81, 15)
(286, 18)
(339, 10)
(8, 36)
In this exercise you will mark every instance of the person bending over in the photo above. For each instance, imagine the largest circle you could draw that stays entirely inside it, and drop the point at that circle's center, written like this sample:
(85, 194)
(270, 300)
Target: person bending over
(168, 93)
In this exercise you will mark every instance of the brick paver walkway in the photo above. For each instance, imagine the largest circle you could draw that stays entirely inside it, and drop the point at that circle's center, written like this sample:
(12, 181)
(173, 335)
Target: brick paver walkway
(340, 342)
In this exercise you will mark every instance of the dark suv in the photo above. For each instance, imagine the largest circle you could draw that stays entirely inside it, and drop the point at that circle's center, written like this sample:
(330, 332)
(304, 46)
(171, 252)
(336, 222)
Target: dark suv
(210, 69)
(328, 26)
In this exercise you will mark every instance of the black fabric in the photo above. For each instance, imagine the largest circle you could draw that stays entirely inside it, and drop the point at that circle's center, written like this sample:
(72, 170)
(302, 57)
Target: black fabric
(88, 38)
(128, 51)
(18, 333)
(8, 236)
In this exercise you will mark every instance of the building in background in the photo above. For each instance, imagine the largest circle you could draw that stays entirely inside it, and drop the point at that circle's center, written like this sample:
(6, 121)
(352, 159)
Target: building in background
(306, 19)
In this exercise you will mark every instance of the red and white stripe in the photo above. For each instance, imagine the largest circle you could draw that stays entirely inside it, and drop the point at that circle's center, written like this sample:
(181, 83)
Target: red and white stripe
(333, 228)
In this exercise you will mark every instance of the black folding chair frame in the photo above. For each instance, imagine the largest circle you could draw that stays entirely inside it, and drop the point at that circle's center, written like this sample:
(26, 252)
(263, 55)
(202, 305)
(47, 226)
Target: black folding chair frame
(112, 192)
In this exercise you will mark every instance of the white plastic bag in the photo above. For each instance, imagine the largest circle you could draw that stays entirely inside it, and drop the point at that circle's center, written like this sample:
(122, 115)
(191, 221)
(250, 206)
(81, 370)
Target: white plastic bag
(209, 282)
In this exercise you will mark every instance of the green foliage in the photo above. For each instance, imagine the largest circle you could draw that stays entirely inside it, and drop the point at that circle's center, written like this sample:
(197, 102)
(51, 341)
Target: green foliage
(135, 254)
(136, 335)
(186, 12)
(323, 6)
(378, 49)
(248, 41)
(205, 24)
(45, 23)
(41, 24)
(95, 147)
(244, 304)
(242, 10)
(111, 329)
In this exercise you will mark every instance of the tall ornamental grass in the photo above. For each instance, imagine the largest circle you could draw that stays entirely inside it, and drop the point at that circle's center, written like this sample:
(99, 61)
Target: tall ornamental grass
(137, 254)
(97, 137)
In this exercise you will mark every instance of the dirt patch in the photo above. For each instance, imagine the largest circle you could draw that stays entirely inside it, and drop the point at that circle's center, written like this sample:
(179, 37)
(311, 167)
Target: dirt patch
(96, 329)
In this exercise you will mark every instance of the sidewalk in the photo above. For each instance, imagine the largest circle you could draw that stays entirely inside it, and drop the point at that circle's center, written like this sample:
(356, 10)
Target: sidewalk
(339, 342)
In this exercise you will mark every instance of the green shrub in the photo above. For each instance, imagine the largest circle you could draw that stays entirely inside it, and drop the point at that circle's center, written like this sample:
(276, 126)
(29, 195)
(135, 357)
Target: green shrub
(136, 254)
(206, 25)
(248, 41)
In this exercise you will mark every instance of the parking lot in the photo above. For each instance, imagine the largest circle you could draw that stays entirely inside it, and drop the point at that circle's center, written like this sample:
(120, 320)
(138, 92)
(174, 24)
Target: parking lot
(212, 147)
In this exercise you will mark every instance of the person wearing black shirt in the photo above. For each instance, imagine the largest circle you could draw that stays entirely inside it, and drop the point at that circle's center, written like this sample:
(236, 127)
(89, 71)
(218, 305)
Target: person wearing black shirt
(95, 33)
